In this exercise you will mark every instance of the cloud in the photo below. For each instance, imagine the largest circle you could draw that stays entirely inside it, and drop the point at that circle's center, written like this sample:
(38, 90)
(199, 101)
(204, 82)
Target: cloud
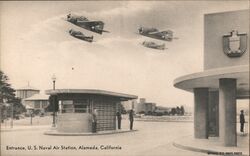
(131, 8)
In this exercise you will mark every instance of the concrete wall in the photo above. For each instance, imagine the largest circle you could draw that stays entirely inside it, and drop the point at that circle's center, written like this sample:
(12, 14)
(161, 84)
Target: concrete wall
(74, 122)
(218, 24)
(139, 107)
(201, 113)
(213, 113)
(145, 107)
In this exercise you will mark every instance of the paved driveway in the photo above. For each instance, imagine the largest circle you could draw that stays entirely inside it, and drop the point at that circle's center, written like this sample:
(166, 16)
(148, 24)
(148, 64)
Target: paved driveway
(152, 138)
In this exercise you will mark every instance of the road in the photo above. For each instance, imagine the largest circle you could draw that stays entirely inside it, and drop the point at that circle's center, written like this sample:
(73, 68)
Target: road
(152, 138)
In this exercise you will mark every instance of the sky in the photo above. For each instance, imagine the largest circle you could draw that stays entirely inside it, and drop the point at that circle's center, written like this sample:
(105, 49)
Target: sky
(35, 44)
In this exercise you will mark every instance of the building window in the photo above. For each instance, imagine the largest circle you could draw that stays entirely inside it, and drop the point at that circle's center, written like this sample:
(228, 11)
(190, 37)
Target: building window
(37, 104)
(67, 106)
(76, 106)
(44, 104)
(81, 106)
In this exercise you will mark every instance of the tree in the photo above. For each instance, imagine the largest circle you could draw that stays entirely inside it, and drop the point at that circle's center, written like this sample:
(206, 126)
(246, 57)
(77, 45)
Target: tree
(6, 92)
(178, 110)
(123, 110)
(18, 108)
(166, 113)
(182, 110)
(173, 111)
(53, 104)
(7, 96)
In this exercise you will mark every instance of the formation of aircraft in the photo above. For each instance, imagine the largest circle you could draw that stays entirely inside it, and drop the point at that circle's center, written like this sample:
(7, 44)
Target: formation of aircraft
(156, 34)
(80, 35)
(83, 22)
(98, 27)
(150, 44)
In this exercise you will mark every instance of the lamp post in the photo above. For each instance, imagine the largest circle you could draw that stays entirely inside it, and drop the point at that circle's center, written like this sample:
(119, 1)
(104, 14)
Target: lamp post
(54, 111)
(31, 116)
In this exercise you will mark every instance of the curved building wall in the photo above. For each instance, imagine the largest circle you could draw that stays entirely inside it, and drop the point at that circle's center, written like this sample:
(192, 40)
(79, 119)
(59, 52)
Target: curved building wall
(74, 122)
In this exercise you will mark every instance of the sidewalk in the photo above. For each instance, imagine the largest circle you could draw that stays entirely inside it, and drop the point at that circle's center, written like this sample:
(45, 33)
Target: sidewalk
(23, 128)
(213, 145)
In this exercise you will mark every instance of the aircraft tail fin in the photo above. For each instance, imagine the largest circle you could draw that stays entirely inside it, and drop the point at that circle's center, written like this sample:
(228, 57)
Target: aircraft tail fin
(63, 18)
(168, 34)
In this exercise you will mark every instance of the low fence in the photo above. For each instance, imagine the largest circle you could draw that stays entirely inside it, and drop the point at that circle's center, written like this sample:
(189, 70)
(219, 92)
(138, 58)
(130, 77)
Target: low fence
(165, 118)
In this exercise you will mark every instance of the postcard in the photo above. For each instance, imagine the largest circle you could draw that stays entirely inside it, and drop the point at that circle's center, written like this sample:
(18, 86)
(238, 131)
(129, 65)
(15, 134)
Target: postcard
(127, 78)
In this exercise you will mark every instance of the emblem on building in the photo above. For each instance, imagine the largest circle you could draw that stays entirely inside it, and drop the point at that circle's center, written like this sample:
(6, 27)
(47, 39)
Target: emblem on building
(234, 44)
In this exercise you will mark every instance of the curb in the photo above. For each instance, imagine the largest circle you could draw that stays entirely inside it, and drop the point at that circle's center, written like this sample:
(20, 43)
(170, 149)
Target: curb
(55, 133)
(206, 151)
(24, 129)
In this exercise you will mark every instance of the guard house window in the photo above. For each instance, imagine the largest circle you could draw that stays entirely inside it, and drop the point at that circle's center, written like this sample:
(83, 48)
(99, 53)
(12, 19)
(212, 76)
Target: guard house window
(81, 106)
(76, 106)
(67, 106)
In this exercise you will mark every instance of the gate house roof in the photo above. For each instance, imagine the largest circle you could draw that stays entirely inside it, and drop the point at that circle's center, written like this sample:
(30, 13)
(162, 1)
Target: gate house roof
(210, 79)
(91, 91)
(37, 97)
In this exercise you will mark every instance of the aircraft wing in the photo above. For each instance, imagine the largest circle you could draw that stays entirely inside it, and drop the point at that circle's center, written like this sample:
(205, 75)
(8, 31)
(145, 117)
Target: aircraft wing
(168, 32)
(79, 36)
(154, 33)
(95, 26)
(91, 23)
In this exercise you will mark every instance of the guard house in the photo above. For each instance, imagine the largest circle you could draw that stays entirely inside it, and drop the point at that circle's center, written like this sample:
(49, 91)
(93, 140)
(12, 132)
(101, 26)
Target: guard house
(75, 107)
(225, 77)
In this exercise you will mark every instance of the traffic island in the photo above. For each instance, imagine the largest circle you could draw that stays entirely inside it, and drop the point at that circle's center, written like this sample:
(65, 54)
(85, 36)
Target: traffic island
(213, 146)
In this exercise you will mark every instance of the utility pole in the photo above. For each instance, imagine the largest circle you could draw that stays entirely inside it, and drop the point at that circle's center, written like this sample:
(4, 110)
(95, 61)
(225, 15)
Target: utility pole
(54, 102)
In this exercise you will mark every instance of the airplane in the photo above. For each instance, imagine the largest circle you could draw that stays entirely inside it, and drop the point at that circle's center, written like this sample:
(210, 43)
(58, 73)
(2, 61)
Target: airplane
(80, 35)
(81, 21)
(155, 33)
(153, 45)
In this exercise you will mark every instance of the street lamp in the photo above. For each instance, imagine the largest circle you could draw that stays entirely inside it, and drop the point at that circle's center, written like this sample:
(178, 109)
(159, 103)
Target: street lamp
(54, 81)
(54, 104)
